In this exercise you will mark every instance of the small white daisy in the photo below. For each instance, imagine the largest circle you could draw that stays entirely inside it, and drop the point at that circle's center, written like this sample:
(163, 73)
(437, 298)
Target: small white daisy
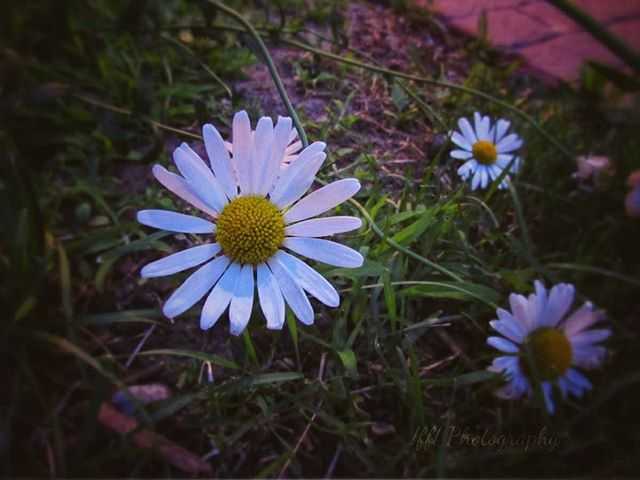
(487, 149)
(540, 342)
(257, 212)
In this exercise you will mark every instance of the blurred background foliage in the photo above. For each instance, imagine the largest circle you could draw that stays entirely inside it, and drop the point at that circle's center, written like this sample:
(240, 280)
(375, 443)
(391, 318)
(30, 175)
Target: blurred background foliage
(94, 93)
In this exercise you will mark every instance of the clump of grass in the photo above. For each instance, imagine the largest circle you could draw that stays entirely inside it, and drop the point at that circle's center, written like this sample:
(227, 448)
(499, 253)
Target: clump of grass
(404, 354)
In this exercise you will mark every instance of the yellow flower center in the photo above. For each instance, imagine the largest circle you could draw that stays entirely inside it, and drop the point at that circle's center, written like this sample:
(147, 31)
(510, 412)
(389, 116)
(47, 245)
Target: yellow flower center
(485, 152)
(250, 230)
(550, 352)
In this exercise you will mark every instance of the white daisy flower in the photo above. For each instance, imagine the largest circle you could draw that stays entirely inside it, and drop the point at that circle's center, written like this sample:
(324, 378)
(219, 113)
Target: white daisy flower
(542, 342)
(487, 149)
(258, 215)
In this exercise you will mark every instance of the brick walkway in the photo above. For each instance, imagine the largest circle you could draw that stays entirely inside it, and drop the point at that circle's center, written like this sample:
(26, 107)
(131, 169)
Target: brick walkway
(548, 40)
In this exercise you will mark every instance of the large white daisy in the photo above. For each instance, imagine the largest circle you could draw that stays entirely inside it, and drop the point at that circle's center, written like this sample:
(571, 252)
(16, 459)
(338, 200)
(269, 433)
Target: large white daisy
(258, 215)
(541, 342)
(487, 149)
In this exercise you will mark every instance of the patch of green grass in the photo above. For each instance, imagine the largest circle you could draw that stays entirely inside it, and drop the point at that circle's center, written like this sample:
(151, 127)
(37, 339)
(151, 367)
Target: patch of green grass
(97, 93)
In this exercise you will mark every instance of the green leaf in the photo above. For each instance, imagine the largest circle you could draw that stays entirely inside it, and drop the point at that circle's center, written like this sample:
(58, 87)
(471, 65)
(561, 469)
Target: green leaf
(292, 325)
(455, 291)
(68, 347)
(465, 379)
(409, 234)
(167, 408)
(370, 268)
(205, 357)
(126, 316)
(390, 300)
(249, 347)
(348, 358)
(269, 378)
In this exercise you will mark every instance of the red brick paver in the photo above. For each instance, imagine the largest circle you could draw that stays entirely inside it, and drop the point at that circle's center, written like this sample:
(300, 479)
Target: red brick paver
(547, 39)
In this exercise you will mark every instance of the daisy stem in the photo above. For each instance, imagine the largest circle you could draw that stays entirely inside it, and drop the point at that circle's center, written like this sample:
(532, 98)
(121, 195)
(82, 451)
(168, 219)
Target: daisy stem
(270, 65)
(428, 283)
(526, 239)
(498, 181)
(442, 83)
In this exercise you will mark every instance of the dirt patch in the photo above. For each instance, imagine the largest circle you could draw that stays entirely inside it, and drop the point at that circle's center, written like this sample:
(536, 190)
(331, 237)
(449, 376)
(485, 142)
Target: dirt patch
(376, 34)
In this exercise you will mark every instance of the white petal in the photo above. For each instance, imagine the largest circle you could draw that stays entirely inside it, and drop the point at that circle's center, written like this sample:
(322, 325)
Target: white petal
(461, 154)
(494, 172)
(220, 160)
(179, 186)
(510, 391)
(507, 364)
(581, 319)
(510, 330)
(564, 386)
(501, 128)
(322, 200)
(325, 251)
(477, 176)
(293, 134)
(293, 148)
(482, 125)
(505, 316)
(292, 292)
(548, 400)
(261, 158)
(199, 177)
(520, 312)
(541, 302)
(277, 153)
(518, 383)
(589, 337)
(242, 150)
(560, 300)
(503, 160)
(484, 177)
(180, 261)
(220, 297)
(286, 161)
(502, 344)
(271, 300)
(467, 169)
(194, 287)
(509, 143)
(515, 168)
(309, 279)
(297, 179)
(578, 383)
(461, 141)
(588, 356)
(242, 301)
(323, 227)
(467, 132)
(174, 221)
(576, 377)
